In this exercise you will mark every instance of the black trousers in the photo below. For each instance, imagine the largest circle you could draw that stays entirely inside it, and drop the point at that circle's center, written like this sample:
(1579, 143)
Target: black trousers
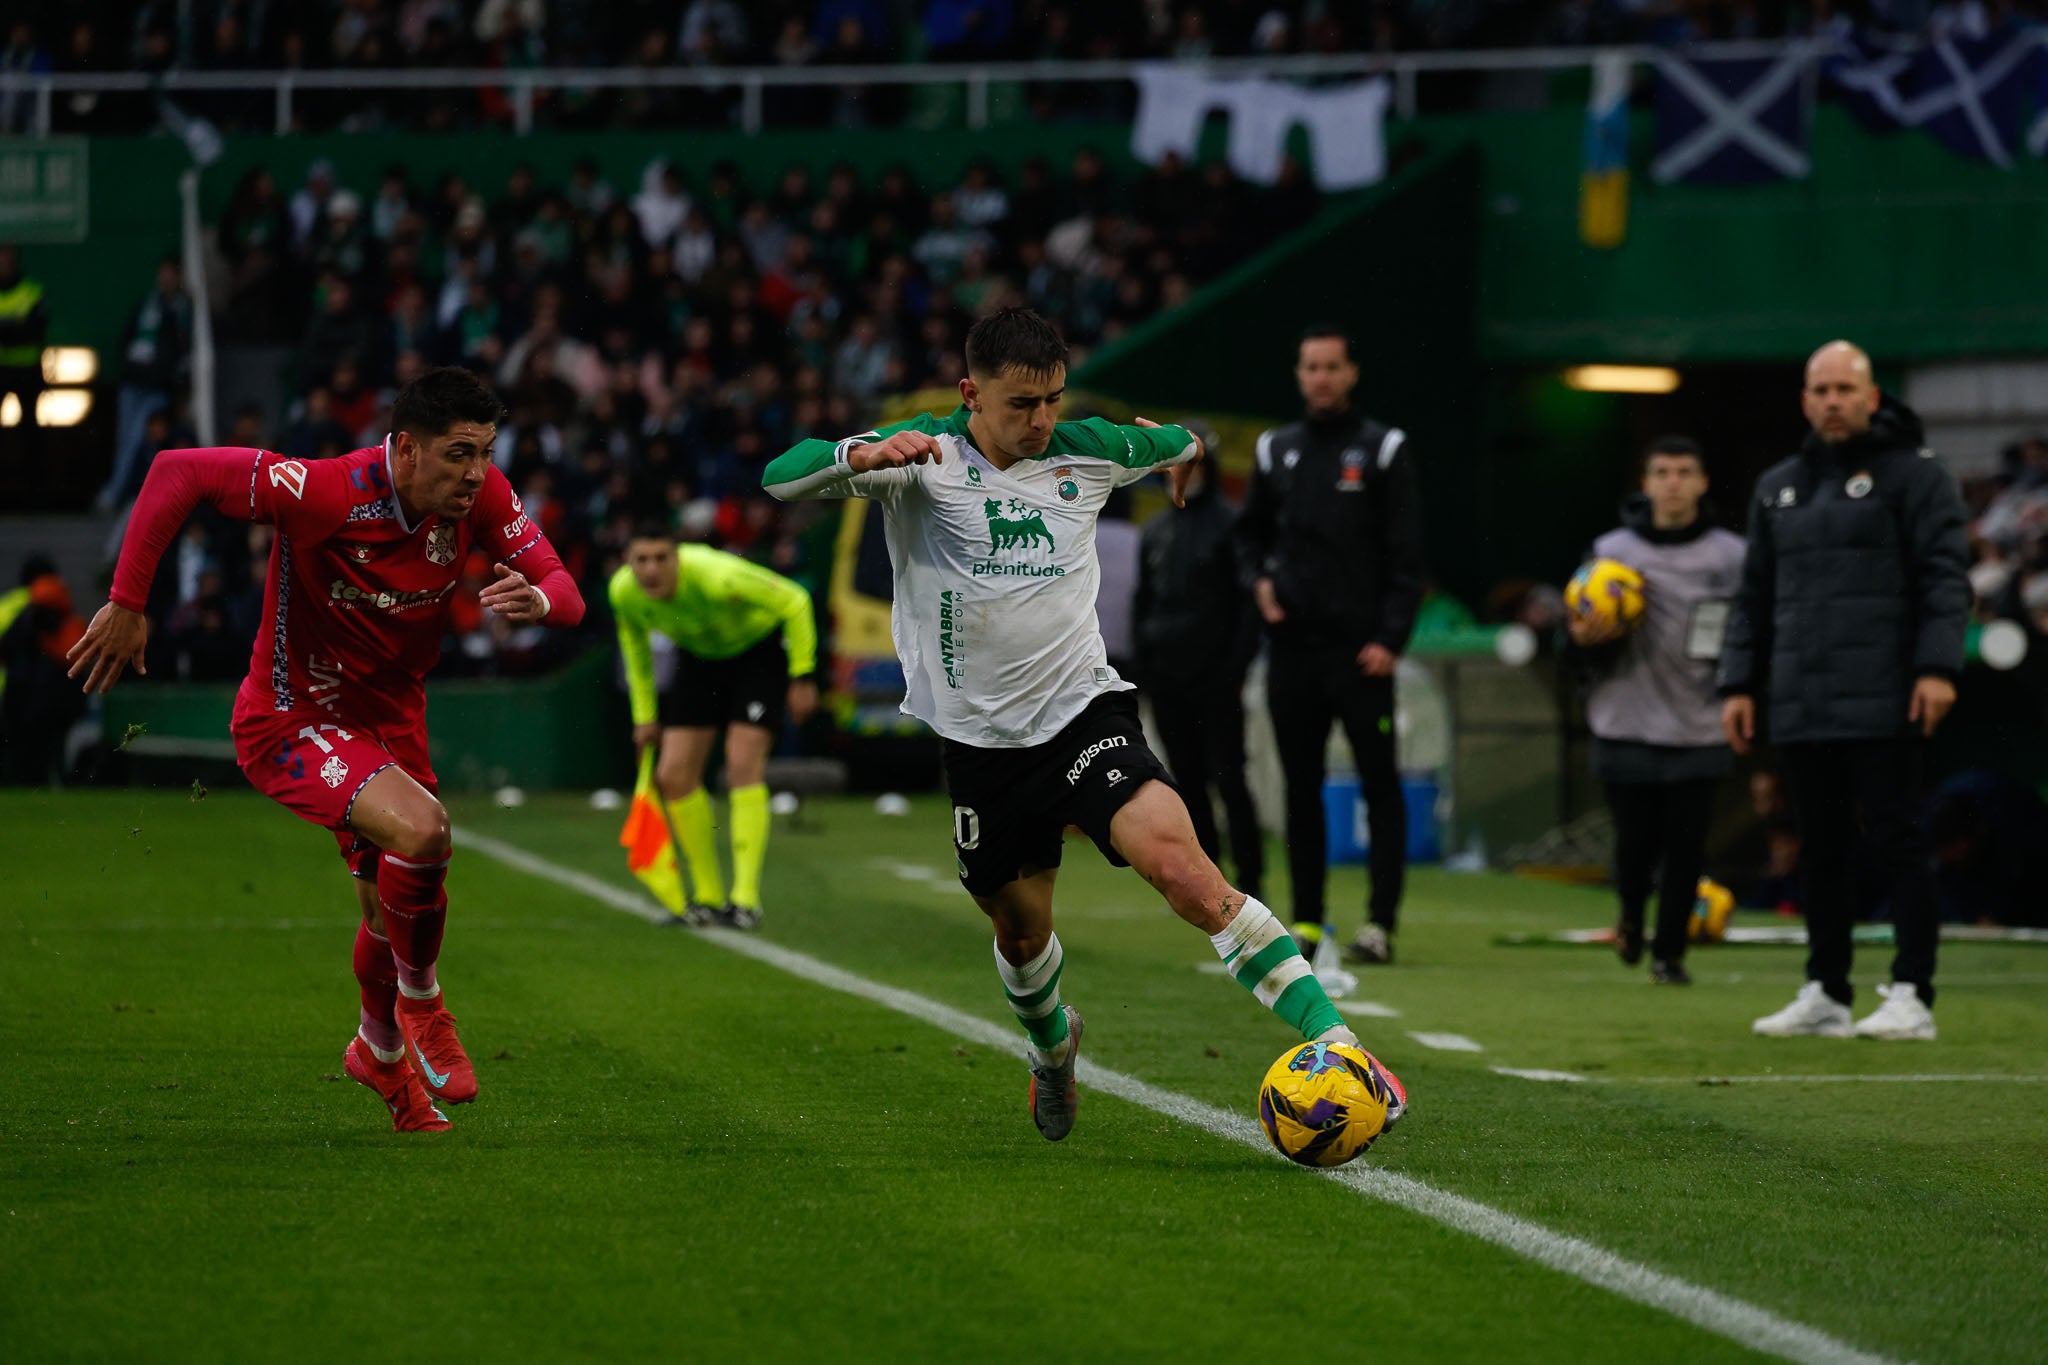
(1660, 823)
(1833, 783)
(1201, 727)
(1306, 690)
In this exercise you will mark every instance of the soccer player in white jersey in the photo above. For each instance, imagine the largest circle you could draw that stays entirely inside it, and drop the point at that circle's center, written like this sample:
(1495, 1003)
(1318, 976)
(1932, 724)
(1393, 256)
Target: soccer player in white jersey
(990, 517)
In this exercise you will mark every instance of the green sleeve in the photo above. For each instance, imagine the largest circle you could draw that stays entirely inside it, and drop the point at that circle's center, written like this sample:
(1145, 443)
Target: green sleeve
(817, 469)
(1139, 450)
(730, 576)
(626, 599)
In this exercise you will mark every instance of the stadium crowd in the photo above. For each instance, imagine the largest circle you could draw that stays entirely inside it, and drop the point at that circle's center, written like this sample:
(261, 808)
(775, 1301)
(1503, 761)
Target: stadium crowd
(237, 35)
(657, 345)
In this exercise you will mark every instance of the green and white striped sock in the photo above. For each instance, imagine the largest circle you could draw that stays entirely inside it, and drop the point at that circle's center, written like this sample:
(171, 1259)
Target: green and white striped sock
(1260, 953)
(1033, 990)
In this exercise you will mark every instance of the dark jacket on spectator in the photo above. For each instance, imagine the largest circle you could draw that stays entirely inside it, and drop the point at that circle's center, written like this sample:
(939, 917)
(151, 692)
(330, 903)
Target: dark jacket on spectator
(1192, 620)
(1334, 519)
(1854, 586)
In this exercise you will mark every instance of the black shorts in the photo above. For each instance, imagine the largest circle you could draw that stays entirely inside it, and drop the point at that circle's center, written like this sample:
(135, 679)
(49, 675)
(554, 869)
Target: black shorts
(750, 688)
(1011, 807)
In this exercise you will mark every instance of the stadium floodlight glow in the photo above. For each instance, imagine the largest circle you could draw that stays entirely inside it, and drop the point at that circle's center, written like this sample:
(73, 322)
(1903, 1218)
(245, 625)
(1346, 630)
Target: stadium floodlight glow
(70, 364)
(54, 408)
(1621, 378)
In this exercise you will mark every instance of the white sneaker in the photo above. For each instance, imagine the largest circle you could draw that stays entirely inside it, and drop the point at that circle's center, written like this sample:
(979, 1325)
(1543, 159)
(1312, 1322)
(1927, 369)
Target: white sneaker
(1812, 1014)
(1900, 1019)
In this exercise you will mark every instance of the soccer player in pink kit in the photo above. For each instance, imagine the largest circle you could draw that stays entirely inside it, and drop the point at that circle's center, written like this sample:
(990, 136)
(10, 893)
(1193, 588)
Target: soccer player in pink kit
(331, 721)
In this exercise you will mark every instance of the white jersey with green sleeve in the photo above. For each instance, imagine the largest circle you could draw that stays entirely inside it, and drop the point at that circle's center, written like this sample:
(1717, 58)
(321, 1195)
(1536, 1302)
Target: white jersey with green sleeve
(996, 575)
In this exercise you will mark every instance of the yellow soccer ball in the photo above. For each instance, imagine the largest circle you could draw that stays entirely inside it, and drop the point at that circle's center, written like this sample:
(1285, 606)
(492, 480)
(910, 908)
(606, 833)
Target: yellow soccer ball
(1710, 912)
(1323, 1103)
(1607, 589)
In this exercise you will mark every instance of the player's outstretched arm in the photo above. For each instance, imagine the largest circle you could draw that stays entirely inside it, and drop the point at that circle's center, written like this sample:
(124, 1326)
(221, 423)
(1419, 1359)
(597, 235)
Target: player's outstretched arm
(532, 587)
(873, 464)
(178, 481)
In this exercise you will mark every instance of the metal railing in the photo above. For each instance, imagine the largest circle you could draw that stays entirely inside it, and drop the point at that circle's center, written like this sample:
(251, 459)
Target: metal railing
(521, 86)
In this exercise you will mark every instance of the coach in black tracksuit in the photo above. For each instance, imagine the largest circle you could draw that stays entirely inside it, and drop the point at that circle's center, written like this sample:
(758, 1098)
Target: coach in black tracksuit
(1848, 632)
(1195, 635)
(1330, 543)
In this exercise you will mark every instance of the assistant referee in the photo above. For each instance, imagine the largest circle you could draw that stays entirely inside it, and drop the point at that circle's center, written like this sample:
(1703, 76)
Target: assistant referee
(1330, 543)
(747, 647)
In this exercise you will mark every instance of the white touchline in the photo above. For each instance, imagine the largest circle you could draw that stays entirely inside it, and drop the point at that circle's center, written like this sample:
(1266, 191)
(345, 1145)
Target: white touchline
(1878, 1079)
(1757, 1328)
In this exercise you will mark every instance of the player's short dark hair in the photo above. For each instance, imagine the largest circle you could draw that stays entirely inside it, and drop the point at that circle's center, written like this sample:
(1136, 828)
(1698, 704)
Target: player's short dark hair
(1014, 339)
(1324, 331)
(440, 398)
(652, 528)
(1674, 447)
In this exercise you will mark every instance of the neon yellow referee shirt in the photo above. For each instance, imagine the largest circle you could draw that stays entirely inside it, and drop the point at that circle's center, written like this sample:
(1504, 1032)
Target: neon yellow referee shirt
(723, 606)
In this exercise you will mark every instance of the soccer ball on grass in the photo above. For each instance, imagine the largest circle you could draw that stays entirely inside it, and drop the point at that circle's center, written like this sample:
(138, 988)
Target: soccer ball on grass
(1322, 1104)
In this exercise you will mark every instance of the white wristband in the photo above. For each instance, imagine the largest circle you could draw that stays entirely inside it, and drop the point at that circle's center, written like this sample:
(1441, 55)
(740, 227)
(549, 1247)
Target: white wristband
(545, 605)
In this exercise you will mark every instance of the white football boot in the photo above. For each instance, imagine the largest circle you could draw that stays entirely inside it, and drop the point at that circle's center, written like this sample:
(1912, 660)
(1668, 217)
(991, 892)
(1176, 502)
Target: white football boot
(1810, 1015)
(1900, 1019)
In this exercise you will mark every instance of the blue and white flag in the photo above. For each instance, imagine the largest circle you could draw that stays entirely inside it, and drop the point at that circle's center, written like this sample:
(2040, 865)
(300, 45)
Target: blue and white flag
(1972, 94)
(1728, 122)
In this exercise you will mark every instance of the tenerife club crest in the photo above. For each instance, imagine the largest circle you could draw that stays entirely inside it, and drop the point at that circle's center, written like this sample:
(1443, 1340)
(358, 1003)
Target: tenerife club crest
(441, 545)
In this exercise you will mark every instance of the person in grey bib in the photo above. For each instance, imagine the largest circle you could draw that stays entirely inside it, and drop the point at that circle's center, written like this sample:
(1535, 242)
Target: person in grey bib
(1651, 702)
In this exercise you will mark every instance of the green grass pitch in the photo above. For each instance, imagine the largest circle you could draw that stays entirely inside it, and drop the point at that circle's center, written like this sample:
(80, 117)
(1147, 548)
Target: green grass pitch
(683, 1153)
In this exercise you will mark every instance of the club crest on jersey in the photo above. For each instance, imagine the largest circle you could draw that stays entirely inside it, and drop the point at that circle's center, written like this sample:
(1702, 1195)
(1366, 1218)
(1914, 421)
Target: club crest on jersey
(1859, 485)
(1351, 476)
(441, 545)
(333, 771)
(1066, 485)
(1788, 497)
(359, 553)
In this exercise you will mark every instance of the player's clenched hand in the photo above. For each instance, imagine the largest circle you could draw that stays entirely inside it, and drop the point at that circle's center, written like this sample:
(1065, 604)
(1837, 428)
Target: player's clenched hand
(115, 639)
(802, 700)
(905, 447)
(1178, 475)
(512, 597)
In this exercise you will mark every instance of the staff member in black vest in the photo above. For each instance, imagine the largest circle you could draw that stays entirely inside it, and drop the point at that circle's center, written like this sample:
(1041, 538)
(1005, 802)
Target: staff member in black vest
(1330, 543)
(1196, 634)
(1849, 628)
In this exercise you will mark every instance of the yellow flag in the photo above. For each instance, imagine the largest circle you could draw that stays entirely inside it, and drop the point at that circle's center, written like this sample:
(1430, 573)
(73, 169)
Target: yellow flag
(650, 852)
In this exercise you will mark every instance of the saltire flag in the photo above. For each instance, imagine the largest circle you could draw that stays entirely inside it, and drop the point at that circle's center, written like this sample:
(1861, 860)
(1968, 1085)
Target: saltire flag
(1603, 179)
(650, 852)
(1971, 94)
(1736, 121)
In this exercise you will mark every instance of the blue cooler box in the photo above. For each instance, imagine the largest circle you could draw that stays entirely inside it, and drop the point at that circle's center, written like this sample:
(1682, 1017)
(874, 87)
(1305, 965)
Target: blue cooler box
(1344, 818)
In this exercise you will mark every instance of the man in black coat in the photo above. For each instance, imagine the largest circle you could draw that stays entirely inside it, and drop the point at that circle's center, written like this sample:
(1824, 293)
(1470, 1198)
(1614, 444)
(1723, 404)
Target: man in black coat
(1195, 636)
(1849, 627)
(1330, 544)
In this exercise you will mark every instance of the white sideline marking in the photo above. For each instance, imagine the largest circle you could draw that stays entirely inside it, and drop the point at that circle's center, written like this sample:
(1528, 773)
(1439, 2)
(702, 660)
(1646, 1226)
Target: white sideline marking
(1366, 1008)
(1924, 1079)
(1447, 1042)
(1741, 1322)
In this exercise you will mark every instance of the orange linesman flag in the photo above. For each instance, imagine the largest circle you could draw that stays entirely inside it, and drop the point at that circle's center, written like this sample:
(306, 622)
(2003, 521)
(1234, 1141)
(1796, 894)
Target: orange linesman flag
(650, 852)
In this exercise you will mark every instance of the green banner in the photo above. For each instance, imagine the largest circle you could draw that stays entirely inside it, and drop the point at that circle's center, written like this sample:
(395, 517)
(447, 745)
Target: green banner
(43, 184)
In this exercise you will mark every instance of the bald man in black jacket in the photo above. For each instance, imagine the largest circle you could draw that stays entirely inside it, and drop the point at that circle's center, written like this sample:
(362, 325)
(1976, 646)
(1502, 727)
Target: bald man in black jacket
(1849, 630)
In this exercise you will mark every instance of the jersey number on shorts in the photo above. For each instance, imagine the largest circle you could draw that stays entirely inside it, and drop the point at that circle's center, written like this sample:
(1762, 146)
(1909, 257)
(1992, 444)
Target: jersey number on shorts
(966, 828)
(288, 756)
